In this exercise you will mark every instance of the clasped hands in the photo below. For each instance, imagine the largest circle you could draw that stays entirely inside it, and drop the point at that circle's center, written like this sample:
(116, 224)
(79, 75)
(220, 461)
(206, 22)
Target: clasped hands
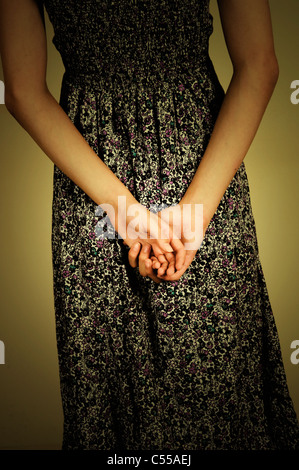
(163, 244)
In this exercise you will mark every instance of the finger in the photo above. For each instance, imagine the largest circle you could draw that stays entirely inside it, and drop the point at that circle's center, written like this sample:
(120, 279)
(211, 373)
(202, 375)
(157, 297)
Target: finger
(145, 263)
(171, 264)
(161, 271)
(149, 271)
(175, 276)
(133, 254)
(169, 259)
(156, 264)
(165, 246)
(143, 256)
(162, 258)
(180, 253)
(159, 249)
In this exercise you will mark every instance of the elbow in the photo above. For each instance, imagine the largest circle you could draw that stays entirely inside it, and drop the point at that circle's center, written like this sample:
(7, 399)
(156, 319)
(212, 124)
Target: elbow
(10, 104)
(20, 99)
(272, 71)
(14, 100)
(268, 76)
(262, 70)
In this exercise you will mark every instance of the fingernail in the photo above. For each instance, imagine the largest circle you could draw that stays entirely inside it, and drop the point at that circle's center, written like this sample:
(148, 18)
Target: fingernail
(146, 248)
(136, 246)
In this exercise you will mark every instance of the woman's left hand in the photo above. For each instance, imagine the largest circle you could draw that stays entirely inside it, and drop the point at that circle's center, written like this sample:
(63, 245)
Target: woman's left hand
(140, 255)
(183, 223)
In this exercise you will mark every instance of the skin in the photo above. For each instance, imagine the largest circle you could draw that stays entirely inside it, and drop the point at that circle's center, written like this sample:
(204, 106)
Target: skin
(248, 33)
(23, 50)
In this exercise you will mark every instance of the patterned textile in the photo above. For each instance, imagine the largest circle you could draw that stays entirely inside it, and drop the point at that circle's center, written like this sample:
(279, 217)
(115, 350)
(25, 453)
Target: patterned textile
(191, 364)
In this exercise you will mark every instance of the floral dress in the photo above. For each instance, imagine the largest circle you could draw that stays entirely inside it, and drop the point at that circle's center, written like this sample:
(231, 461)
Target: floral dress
(193, 364)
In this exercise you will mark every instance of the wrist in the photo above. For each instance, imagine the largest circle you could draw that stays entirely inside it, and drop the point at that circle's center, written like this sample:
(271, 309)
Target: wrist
(117, 208)
(121, 204)
(192, 202)
(131, 218)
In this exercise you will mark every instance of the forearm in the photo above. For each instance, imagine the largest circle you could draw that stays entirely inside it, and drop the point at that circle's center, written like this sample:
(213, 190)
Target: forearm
(238, 120)
(46, 122)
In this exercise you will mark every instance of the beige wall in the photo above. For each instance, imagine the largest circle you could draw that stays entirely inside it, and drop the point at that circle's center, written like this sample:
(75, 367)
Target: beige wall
(30, 408)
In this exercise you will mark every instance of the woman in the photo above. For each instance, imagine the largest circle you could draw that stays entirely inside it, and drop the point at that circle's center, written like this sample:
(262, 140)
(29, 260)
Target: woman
(181, 353)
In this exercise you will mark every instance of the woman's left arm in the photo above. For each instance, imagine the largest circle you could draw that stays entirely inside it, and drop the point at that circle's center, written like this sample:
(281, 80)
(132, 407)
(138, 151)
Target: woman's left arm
(248, 33)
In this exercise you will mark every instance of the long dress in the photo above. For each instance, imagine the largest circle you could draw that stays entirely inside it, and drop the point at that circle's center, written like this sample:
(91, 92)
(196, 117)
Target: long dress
(193, 364)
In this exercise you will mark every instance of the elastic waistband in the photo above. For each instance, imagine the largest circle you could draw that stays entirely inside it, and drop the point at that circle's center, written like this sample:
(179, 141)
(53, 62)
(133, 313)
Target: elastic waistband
(145, 76)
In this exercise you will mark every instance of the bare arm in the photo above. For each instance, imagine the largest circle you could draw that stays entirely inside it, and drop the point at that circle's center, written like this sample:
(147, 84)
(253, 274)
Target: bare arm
(24, 57)
(248, 33)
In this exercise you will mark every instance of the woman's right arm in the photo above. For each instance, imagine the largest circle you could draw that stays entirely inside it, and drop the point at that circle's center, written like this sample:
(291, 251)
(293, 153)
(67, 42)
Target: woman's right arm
(24, 57)
(23, 50)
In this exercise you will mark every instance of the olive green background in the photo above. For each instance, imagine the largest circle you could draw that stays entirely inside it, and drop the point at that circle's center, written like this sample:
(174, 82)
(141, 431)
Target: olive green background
(30, 406)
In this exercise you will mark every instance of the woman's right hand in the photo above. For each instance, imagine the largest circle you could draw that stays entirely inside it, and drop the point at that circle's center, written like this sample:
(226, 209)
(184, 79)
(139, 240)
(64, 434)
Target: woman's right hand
(140, 255)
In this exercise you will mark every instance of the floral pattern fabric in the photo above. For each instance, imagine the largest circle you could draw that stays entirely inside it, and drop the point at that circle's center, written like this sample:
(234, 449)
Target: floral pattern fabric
(193, 364)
